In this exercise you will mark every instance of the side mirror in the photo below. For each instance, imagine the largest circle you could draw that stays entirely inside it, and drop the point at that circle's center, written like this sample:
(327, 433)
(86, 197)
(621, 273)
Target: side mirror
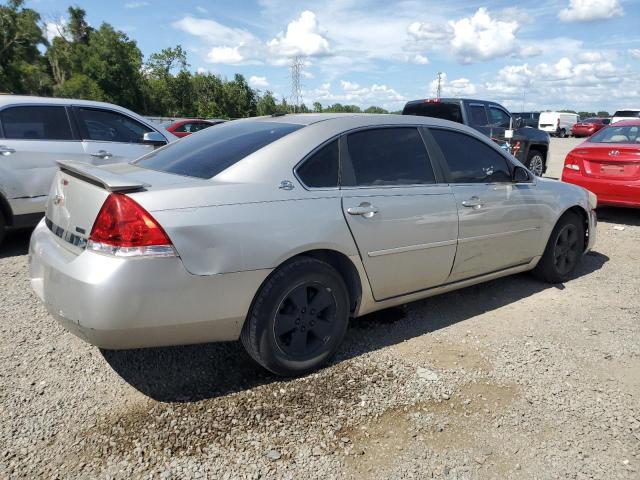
(154, 138)
(520, 174)
(518, 123)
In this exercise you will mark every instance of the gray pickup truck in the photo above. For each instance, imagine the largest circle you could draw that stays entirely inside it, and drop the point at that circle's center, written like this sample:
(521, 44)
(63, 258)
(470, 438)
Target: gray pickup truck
(529, 145)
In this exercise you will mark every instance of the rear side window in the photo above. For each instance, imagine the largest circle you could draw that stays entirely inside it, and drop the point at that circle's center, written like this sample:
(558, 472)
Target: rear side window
(623, 134)
(445, 111)
(216, 149)
(470, 160)
(36, 123)
(108, 126)
(320, 170)
(478, 115)
(388, 156)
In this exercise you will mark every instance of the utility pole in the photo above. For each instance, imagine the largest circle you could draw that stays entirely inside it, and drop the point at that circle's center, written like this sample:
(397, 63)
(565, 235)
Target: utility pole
(297, 65)
(439, 90)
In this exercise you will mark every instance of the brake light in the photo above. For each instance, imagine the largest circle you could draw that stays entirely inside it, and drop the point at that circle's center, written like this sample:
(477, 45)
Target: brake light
(432, 100)
(571, 163)
(123, 228)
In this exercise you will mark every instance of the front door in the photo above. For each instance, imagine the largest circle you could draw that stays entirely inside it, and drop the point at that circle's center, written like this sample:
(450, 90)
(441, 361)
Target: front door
(499, 220)
(404, 224)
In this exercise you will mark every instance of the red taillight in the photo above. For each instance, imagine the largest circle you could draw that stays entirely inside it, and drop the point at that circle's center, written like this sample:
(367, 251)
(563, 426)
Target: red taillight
(432, 100)
(571, 162)
(124, 228)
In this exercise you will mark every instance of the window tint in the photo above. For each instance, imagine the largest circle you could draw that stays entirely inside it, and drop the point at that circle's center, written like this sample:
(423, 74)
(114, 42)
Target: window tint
(478, 115)
(216, 149)
(614, 134)
(627, 113)
(321, 169)
(470, 160)
(446, 111)
(389, 156)
(499, 118)
(36, 123)
(108, 126)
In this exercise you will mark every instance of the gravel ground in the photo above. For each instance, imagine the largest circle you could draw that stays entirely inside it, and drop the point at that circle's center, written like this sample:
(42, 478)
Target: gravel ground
(510, 379)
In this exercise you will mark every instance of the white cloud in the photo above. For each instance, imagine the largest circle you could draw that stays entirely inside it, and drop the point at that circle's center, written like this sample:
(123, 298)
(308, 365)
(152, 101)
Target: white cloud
(258, 82)
(354, 94)
(635, 53)
(303, 37)
(591, 56)
(589, 10)
(430, 31)
(529, 51)
(454, 88)
(201, 9)
(226, 55)
(55, 28)
(481, 37)
(136, 4)
(420, 59)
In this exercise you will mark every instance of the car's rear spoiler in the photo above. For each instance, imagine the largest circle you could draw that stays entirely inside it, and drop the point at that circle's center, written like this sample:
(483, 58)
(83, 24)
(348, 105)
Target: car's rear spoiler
(108, 180)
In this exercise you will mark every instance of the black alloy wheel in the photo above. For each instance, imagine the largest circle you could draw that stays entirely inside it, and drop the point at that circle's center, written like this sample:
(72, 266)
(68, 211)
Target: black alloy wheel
(567, 250)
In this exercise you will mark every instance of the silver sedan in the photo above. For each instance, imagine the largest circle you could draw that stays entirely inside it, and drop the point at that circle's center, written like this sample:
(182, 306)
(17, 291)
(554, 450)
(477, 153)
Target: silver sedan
(276, 230)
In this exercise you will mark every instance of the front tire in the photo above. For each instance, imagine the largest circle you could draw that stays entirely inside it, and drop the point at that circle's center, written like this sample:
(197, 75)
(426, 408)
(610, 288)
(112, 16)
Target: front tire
(298, 318)
(563, 252)
(535, 162)
(3, 227)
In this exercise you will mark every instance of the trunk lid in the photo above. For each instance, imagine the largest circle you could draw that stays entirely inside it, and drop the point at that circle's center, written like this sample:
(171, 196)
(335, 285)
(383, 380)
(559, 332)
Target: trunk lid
(610, 161)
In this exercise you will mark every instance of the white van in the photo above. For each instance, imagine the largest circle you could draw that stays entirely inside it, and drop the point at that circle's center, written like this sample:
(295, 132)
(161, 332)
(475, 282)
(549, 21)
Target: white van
(626, 114)
(557, 123)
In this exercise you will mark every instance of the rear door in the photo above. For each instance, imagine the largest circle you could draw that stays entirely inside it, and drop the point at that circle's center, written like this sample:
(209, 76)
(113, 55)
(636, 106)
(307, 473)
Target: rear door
(33, 138)
(499, 220)
(111, 137)
(404, 222)
(499, 121)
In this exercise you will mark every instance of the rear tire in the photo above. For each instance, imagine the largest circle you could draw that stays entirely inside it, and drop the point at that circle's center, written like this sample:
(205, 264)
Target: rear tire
(562, 133)
(563, 252)
(298, 318)
(3, 227)
(535, 162)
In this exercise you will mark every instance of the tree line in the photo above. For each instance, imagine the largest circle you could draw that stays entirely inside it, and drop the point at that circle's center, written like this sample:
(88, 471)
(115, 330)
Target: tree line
(104, 64)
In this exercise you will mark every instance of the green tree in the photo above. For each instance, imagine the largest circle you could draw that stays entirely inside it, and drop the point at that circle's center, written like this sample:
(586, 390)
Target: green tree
(603, 113)
(317, 107)
(79, 86)
(22, 66)
(374, 109)
(267, 104)
(240, 99)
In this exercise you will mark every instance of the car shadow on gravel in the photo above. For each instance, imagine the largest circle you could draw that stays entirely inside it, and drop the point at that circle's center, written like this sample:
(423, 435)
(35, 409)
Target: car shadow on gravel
(622, 216)
(16, 243)
(198, 372)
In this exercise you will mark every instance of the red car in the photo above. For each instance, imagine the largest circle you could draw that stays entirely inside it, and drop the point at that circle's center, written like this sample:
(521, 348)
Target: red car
(187, 126)
(589, 126)
(608, 164)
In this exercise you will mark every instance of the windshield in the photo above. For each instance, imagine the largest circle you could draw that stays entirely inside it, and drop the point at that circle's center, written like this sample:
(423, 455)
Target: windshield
(215, 149)
(445, 111)
(623, 134)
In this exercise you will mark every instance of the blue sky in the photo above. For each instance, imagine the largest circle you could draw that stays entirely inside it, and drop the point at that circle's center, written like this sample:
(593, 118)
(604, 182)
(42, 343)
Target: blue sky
(543, 54)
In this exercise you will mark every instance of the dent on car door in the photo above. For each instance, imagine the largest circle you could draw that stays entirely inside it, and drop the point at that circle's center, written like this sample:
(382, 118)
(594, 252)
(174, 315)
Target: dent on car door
(499, 220)
(404, 223)
(34, 138)
(111, 137)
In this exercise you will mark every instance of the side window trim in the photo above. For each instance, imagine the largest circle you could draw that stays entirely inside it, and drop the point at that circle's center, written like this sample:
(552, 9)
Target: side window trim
(346, 170)
(337, 138)
(439, 155)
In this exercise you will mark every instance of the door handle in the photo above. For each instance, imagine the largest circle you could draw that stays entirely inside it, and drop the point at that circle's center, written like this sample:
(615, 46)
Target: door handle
(6, 150)
(102, 154)
(365, 209)
(473, 202)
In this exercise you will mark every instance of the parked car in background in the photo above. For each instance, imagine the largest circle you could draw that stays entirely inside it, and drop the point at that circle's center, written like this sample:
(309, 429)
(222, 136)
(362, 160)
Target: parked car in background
(558, 124)
(589, 126)
(277, 230)
(528, 145)
(628, 114)
(35, 132)
(187, 126)
(608, 164)
(530, 119)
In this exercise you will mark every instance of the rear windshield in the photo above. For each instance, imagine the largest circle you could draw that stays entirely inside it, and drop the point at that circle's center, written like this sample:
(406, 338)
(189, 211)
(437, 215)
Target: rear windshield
(627, 113)
(446, 111)
(213, 150)
(591, 120)
(623, 134)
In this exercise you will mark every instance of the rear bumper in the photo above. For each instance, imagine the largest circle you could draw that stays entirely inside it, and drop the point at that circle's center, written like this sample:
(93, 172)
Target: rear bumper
(618, 193)
(120, 303)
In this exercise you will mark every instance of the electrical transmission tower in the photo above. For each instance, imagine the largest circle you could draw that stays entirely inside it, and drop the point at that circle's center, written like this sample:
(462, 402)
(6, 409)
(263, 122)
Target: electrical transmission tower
(439, 89)
(297, 65)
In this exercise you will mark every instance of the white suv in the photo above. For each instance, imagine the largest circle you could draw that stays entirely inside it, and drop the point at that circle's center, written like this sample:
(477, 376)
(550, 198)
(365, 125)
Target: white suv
(628, 114)
(35, 132)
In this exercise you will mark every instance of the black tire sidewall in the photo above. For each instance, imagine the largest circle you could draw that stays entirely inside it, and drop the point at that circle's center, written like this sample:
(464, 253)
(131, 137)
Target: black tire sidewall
(547, 263)
(533, 153)
(271, 295)
(3, 228)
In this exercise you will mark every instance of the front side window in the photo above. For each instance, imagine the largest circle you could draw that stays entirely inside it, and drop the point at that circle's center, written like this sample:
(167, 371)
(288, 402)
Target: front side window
(216, 149)
(478, 115)
(320, 170)
(388, 156)
(499, 118)
(471, 160)
(36, 123)
(108, 126)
